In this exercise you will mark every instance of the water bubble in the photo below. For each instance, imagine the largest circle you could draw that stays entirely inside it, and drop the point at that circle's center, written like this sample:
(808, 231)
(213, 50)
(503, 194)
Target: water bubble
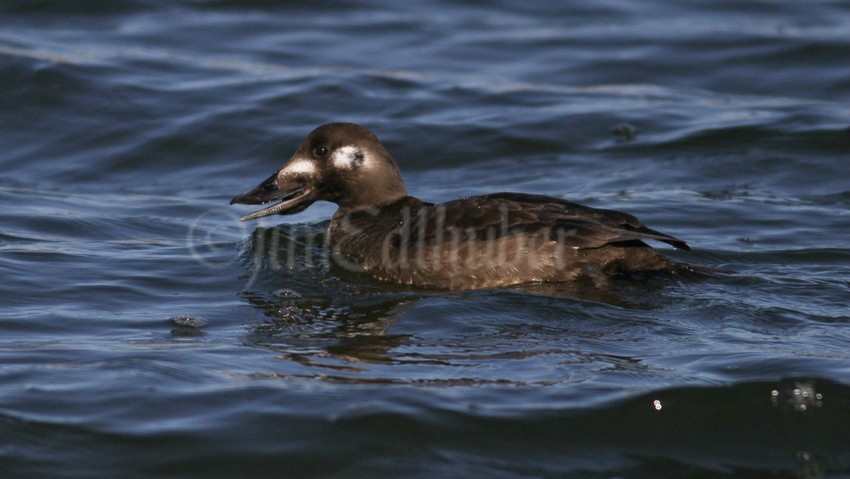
(188, 321)
(286, 293)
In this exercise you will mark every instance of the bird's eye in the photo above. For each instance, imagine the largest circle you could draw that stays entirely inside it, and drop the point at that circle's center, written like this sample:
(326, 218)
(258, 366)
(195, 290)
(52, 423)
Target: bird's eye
(320, 151)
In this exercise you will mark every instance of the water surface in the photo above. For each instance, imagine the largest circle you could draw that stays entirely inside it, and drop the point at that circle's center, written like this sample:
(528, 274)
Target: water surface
(145, 332)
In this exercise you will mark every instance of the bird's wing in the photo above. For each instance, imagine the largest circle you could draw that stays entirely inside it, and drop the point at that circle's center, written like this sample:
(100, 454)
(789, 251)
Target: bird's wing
(496, 215)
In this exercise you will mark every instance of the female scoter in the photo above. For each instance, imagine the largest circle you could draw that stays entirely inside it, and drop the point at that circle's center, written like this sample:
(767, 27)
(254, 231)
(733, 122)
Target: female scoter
(476, 242)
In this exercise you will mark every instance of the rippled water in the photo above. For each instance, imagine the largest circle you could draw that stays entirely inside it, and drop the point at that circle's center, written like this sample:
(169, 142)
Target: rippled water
(145, 332)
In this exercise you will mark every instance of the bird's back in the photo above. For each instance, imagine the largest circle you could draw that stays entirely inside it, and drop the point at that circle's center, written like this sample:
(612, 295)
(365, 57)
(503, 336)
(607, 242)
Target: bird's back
(495, 240)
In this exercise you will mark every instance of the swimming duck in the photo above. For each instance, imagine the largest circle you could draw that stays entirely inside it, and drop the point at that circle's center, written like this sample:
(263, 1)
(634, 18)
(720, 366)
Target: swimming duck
(485, 241)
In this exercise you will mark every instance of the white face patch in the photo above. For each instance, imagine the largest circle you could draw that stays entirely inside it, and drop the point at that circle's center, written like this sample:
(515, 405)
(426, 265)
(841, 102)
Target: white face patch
(350, 158)
(300, 167)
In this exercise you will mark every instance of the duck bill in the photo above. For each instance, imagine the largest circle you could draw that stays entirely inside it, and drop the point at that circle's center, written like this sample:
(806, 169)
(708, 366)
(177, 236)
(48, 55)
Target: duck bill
(293, 198)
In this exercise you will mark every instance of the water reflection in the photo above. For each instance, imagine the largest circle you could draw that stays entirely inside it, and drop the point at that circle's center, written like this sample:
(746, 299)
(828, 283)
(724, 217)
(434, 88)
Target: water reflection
(352, 330)
(441, 339)
(810, 465)
(345, 326)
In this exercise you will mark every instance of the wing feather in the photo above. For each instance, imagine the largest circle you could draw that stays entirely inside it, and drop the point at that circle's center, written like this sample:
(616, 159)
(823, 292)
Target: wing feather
(500, 214)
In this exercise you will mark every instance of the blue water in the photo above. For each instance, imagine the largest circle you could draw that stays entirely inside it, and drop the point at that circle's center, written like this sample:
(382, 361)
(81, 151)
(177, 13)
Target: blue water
(146, 332)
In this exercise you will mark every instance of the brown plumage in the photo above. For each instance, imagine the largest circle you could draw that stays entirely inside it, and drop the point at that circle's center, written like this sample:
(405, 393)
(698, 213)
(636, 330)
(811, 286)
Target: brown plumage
(476, 242)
